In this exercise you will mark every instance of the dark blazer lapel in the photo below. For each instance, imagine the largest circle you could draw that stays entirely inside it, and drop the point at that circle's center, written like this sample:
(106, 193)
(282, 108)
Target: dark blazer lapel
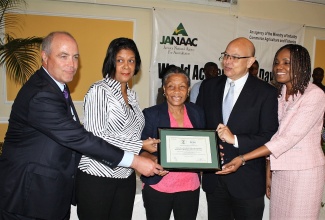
(210, 92)
(163, 116)
(246, 93)
(72, 105)
(221, 86)
(219, 99)
(45, 75)
(56, 88)
(193, 118)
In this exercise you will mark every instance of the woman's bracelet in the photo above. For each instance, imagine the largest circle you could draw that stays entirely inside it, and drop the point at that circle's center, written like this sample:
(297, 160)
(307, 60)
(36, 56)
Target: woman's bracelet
(243, 160)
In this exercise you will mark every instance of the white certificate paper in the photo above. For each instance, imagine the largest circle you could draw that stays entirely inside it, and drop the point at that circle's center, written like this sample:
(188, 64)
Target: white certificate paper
(188, 149)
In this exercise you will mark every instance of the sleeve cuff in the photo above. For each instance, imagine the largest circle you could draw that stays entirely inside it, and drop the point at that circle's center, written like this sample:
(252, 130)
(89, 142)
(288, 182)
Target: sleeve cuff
(236, 142)
(126, 160)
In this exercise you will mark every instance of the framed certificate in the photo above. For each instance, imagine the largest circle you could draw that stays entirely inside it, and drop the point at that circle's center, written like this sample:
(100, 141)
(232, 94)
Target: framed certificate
(188, 149)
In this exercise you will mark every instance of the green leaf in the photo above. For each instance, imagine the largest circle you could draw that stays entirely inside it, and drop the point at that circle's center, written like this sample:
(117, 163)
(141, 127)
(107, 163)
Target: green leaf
(21, 55)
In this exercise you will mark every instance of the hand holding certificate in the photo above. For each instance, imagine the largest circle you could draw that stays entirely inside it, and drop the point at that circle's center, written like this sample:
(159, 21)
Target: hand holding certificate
(189, 149)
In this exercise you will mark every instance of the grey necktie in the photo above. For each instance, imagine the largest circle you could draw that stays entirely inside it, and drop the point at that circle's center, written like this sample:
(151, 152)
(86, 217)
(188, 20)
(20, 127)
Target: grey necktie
(228, 103)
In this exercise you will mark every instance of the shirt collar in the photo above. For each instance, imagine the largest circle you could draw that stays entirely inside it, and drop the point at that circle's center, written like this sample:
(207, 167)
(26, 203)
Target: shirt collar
(61, 86)
(239, 82)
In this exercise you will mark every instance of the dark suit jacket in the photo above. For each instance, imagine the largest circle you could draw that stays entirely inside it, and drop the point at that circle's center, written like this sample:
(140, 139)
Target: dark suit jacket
(254, 120)
(42, 150)
(157, 117)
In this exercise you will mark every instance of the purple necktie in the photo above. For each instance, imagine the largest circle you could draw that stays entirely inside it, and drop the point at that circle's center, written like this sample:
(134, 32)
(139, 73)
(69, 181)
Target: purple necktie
(65, 93)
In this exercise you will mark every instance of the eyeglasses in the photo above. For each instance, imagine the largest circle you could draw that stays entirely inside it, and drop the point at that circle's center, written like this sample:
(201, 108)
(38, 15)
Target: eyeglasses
(225, 56)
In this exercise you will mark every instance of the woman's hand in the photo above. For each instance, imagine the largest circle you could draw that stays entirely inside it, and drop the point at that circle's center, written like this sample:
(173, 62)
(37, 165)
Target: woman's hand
(268, 179)
(231, 167)
(150, 145)
(163, 172)
(149, 156)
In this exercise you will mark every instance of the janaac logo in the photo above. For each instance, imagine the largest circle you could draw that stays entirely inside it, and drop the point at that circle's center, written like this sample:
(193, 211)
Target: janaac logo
(175, 39)
(180, 30)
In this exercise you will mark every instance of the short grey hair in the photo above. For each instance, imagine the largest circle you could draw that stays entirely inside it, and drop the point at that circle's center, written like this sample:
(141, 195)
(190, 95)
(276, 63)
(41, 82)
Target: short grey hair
(176, 70)
(47, 41)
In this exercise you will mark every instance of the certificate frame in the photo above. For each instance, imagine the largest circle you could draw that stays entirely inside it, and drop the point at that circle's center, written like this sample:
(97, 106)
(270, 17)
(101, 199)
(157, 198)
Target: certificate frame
(188, 149)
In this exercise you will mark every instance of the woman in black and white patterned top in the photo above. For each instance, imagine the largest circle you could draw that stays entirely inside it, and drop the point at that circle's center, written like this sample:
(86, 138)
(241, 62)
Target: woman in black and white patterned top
(112, 113)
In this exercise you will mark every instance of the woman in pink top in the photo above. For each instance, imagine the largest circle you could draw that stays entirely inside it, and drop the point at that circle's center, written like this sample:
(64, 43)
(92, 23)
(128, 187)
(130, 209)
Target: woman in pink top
(296, 157)
(175, 191)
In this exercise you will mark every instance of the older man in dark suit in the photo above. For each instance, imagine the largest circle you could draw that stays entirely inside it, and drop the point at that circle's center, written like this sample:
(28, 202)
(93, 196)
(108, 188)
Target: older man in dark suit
(244, 110)
(45, 138)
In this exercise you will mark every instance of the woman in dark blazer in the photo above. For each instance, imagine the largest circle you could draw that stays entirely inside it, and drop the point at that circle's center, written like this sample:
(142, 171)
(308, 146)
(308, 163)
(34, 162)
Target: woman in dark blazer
(172, 191)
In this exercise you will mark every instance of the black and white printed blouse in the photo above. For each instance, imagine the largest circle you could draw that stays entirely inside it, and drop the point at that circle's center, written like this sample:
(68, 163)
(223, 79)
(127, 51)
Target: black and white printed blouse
(107, 116)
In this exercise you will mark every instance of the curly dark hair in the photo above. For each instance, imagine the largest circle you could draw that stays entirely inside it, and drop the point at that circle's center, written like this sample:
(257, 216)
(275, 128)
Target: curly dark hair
(109, 65)
(300, 66)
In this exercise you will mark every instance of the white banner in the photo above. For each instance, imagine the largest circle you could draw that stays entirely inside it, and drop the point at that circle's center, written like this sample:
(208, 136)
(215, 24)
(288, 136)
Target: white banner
(267, 37)
(191, 39)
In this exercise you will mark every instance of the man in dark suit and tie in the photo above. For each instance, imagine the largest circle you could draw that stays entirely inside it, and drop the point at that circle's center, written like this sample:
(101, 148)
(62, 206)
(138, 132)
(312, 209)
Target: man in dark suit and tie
(244, 111)
(44, 141)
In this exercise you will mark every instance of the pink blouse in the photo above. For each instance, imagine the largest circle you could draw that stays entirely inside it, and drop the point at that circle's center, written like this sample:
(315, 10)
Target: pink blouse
(296, 144)
(178, 181)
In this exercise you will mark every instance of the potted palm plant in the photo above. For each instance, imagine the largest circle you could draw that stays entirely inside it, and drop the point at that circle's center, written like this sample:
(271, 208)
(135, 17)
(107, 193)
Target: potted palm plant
(19, 55)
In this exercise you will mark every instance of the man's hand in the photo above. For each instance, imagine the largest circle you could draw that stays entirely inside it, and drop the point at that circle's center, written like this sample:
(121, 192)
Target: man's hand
(225, 134)
(150, 145)
(145, 166)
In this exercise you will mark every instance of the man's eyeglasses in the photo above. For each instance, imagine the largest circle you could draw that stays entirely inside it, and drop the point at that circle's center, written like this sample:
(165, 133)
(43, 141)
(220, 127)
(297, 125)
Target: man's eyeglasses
(225, 56)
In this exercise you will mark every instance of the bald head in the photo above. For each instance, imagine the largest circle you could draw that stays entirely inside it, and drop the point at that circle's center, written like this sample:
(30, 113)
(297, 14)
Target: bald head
(47, 41)
(245, 45)
(239, 56)
(60, 56)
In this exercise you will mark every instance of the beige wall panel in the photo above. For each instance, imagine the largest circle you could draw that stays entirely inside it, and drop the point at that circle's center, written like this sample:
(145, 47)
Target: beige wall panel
(320, 54)
(93, 37)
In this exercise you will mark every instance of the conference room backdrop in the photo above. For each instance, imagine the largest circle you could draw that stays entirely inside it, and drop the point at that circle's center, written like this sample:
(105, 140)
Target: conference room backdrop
(190, 39)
